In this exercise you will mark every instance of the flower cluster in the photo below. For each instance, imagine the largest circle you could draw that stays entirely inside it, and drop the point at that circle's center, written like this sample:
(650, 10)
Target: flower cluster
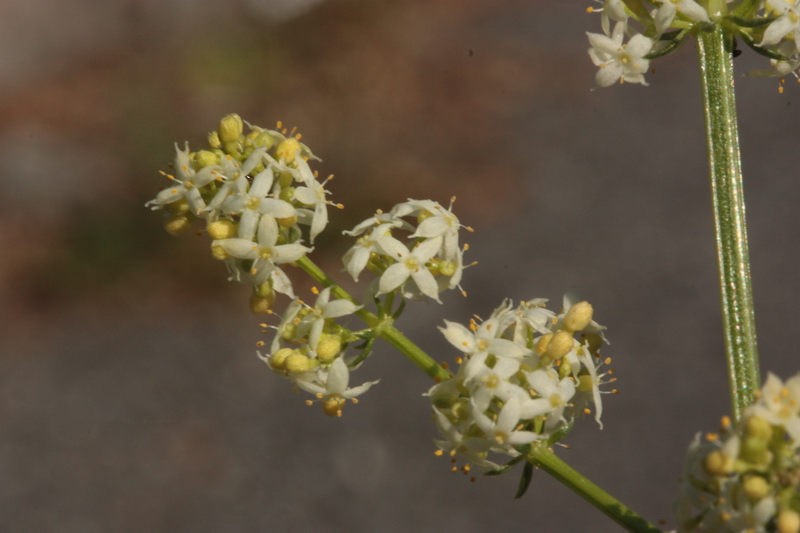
(772, 28)
(748, 480)
(431, 263)
(254, 191)
(309, 350)
(523, 377)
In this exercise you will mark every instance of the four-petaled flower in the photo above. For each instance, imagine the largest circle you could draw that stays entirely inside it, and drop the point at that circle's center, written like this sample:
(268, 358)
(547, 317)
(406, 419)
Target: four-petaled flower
(618, 61)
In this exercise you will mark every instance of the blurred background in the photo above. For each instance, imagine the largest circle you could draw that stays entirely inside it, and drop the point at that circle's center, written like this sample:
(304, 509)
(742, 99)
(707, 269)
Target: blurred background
(131, 398)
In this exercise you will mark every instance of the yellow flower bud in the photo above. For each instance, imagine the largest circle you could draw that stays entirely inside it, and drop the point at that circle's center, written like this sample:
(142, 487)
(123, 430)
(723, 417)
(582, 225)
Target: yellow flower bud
(755, 488)
(178, 207)
(285, 179)
(177, 224)
(230, 128)
(204, 158)
(788, 521)
(298, 363)
(758, 428)
(265, 290)
(262, 138)
(260, 306)
(328, 348)
(754, 450)
(278, 359)
(218, 252)
(565, 369)
(222, 229)
(541, 344)
(287, 222)
(560, 345)
(287, 149)
(717, 463)
(213, 140)
(578, 317)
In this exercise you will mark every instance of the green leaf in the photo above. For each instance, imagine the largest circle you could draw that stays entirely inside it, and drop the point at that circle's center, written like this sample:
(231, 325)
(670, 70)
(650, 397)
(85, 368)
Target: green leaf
(400, 308)
(561, 433)
(750, 23)
(525, 480)
(671, 47)
(506, 467)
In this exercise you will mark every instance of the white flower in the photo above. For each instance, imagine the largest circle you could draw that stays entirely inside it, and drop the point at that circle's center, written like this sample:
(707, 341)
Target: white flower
(481, 342)
(502, 431)
(312, 195)
(323, 309)
(331, 386)
(440, 222)
(669, 8)
(613, 10)
(266, 253)
(187, 182)
(617, 61)
(788, 22)
(410, 264)
(554, 394)
(779, 404)
(252, 202)
(356, 258)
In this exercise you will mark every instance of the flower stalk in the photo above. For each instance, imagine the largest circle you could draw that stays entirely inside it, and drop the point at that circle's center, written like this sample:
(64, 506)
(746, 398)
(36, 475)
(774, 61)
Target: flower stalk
(549, 462)
(716, 73)
(383, 325)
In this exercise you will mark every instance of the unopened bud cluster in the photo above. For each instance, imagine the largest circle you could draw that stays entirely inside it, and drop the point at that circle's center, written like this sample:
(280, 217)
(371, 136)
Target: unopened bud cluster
(654, 28)
(254, 191)
(747, 480)
(525, 374)
(429, 264)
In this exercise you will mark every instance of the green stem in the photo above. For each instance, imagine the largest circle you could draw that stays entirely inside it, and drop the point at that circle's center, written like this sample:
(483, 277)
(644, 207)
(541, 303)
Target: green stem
(611, 507)
(383, 325)
(716, 70)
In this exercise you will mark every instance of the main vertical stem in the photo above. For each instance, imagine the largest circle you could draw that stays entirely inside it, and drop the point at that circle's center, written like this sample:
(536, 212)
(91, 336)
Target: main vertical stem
(716, 70)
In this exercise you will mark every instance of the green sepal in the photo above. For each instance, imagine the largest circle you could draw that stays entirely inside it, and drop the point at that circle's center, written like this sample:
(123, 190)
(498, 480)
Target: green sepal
(638, 8)
(366, 351)
(763, 51)
(673, 45)
(750, 23)
(506, 467)
(525, 480)
(561, 433)
(400, 309)
(747, 8)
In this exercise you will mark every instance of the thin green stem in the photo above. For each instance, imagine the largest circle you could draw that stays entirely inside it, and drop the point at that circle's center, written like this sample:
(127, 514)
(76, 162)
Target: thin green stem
(383, 325)
(716, 72)
(610, 506)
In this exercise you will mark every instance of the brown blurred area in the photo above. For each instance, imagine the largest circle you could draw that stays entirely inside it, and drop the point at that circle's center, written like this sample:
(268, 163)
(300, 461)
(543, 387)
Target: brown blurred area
(131, 398)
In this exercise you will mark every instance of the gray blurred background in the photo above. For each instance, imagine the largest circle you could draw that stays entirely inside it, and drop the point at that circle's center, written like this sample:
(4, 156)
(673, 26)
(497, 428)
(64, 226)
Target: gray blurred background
(131, 398)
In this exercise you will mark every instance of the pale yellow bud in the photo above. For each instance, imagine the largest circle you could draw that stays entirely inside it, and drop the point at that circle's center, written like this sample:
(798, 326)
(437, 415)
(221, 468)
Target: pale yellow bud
(230, 128)
(578, 317)
(788, 521)
(222, 229)
(287, 194)
(262, 139)
(218, 252)
(560, 345)
(278, 359)
(755, 488)
(298, 363)
(758, 428)
(565, 369)
(260, 306)
(287, 222)
(717, 463)
(541, 344)
(213, 140)
(177, 224)
(265, 290)
(287, 149)
(204, 158)
(754, 450)
(328, 348)
(178, 207)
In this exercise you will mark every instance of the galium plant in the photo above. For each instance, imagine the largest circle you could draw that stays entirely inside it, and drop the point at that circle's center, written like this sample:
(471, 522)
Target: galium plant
(526, 373)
